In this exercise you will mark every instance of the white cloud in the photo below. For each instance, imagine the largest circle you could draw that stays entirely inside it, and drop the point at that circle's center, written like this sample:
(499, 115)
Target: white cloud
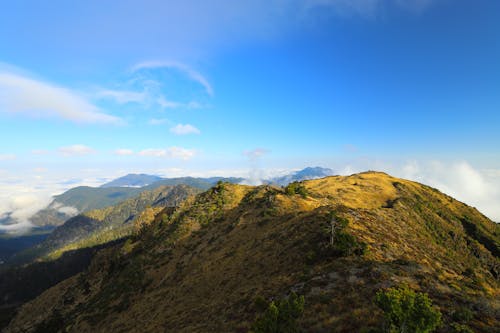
(23, 196)
(76, 150)
(20, 205)
(171, 152)
(460, 180)
(124, 152)
(23, 95)
(181, 129)
(68, 210)
(191, 73)
(166, 104)
(161, 121)
(7, 157)
(123, 96)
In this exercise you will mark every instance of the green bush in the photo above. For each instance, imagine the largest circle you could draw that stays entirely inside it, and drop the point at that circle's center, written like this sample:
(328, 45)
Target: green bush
(460, 328)
(281, 316)
(346, 244)
(296, 188)
(408, 311)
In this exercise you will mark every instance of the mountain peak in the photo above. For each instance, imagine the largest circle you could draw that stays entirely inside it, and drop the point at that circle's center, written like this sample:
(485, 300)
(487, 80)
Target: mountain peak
(133, 180)
(304, 174)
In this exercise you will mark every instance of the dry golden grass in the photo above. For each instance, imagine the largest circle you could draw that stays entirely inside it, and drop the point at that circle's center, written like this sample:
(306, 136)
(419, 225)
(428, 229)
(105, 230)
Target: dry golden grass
(201, 269)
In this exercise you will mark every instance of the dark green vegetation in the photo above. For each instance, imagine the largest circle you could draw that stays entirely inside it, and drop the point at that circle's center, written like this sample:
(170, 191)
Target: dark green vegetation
(407, 311)
(20, 284)
(81, 199)
(199, 267)
(11, 244)
(296, 188)
(281, 316)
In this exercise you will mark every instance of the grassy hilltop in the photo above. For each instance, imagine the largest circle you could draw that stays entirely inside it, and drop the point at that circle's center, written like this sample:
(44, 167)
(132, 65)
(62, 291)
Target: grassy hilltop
(208, 265)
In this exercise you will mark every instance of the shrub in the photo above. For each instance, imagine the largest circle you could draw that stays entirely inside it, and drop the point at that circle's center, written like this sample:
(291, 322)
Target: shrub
(281, 316)
(341, 242)
(460, 328)
(296, 188)
(408, 311)
(346, 244)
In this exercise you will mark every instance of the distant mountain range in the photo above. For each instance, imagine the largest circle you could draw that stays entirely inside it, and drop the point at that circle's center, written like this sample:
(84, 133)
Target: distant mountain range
(82, 199)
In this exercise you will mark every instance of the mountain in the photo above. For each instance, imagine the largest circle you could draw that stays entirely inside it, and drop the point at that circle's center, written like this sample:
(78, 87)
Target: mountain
(81, 199)
(304, 174)
(132, 180)
(99, 226)
(214, 263)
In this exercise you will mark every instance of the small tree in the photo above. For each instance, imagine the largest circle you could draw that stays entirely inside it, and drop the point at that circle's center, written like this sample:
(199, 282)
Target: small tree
(407, 311)
(296, 188)
(281, 316)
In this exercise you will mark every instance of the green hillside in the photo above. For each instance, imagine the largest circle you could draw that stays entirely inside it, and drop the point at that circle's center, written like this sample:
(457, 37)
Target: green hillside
(99, 226)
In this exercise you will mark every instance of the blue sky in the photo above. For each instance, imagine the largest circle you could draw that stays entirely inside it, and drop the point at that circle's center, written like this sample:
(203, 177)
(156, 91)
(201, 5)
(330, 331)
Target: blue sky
(91, 90)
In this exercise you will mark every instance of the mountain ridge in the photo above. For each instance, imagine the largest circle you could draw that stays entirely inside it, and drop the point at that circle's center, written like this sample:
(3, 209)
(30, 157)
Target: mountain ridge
(201, 267)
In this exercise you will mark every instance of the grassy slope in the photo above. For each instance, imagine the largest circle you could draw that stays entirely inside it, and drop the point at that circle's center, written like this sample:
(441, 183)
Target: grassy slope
(200, 267)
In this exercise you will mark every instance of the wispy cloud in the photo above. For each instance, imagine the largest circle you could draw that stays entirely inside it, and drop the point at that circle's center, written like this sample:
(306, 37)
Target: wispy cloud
(171, 152)
(160, 121)
(39, 99)
(167, 104)
(123, 96)
(7, 157)
(188, 71)
(76, 150)
(124, 152)
(181, 129)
